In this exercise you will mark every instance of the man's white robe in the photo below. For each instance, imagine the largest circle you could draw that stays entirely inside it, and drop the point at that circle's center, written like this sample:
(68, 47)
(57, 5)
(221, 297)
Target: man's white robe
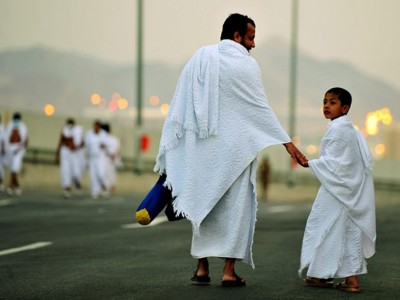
(218, 123)
(15, 152)
(95, 145)
(340, 231)
(2, 151)
(66, 160)
(79, 141)
(113, 147)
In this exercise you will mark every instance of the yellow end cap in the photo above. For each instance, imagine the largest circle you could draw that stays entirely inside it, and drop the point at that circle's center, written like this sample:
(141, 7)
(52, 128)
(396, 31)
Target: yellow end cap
(143, 217)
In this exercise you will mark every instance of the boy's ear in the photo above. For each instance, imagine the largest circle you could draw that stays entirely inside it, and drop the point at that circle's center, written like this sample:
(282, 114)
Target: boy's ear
(345, 109)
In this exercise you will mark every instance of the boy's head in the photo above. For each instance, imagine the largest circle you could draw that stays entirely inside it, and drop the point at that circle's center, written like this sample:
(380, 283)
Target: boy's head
(337, 103)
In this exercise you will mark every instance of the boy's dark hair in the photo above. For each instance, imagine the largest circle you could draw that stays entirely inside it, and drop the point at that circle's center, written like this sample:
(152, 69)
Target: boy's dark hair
(343, 95)
(235, 22)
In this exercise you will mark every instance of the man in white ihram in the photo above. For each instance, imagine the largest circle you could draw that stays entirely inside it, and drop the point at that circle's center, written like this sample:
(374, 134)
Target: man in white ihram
(96, 142)
(219, 121)
(16, 143)
(67, 157)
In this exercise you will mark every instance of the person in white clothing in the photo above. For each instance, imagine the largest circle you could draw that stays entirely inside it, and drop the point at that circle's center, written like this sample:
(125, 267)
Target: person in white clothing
(218, 122)
(96, 143)
(79, 141)
(2, 154)
(66, 156)
(16, 142)
(112, 159)
(340, 233)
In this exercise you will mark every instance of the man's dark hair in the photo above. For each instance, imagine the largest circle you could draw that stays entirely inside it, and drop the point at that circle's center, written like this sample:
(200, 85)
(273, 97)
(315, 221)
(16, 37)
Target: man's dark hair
(343, 95)
(17, 116)
(235, 22)
(106, 127)
(70, 121)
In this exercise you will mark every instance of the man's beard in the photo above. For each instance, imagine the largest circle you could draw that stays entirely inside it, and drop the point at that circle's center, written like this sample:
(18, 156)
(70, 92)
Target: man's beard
(244, 45)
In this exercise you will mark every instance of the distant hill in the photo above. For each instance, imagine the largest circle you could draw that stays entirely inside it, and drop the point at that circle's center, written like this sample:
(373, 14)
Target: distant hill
(30, 78)
(314, 78)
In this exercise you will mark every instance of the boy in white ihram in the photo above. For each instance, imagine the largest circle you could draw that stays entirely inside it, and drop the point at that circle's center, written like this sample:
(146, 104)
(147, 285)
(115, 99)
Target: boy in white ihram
(340, 232)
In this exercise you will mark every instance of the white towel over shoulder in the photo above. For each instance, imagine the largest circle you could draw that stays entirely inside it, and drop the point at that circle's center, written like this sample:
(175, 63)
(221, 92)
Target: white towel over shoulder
(218, 122)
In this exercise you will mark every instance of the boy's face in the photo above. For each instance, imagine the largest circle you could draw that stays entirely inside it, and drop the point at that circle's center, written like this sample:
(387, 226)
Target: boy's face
(332, 107)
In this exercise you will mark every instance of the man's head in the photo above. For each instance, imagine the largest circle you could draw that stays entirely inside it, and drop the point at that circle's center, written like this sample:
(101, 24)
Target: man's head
(337, 103)
(97, 126)
(70, 122)
(106, 127)
(240, 29)
(17, 116)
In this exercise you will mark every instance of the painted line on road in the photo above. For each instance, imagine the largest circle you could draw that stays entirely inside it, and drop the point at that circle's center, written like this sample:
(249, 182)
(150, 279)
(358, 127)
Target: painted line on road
(155, 222)
(25, 248)
(5, 202)
(280, 208)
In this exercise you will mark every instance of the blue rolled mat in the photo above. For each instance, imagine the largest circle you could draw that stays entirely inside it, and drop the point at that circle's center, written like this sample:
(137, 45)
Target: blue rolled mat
(154, 202)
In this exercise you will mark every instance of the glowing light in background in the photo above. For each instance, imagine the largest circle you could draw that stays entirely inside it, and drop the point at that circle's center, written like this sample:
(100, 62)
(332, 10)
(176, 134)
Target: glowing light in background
(311, 149)
(154, 100)
(380, 149)
(387, 118)
(95, 99)
(115, 97)
(296, 140)
(372, 124)
(49, 110)
(122, 103)
(113, 105)
(164, 108)
(383, 116)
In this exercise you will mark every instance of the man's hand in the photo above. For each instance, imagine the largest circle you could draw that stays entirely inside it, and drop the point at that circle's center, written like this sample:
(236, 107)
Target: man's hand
(296, 154)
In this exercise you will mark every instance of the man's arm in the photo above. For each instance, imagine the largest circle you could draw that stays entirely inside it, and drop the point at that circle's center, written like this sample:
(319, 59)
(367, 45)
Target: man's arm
(296, 154)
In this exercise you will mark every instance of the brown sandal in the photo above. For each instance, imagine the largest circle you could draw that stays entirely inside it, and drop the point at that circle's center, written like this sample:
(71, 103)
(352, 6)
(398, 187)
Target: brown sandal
(239, 281)
(351, 289)
(319, 282)
(200, 280)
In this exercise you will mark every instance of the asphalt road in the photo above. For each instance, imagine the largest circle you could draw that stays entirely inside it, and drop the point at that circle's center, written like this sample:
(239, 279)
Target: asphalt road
(54, 248)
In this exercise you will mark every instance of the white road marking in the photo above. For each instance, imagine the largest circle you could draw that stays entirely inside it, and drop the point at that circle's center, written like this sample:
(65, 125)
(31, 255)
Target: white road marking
(280, 208)
(25, 248)
(5, 202)
(155, 222)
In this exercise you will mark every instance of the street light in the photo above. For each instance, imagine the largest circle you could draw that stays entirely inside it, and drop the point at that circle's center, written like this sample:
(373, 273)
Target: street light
(139, 85)
(293, 81)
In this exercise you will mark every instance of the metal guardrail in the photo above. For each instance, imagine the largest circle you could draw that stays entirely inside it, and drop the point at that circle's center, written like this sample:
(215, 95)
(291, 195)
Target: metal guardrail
(46, 156)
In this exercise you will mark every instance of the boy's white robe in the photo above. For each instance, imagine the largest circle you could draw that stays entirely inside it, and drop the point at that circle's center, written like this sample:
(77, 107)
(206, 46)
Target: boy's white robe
(218, 122)
(340, 231)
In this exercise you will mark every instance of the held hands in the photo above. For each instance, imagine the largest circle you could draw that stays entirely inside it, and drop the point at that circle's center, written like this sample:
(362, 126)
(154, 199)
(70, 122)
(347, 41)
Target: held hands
(296, 154)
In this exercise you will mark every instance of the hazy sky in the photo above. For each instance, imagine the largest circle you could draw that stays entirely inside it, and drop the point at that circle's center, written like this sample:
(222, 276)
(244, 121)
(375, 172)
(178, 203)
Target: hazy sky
(365, 33)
